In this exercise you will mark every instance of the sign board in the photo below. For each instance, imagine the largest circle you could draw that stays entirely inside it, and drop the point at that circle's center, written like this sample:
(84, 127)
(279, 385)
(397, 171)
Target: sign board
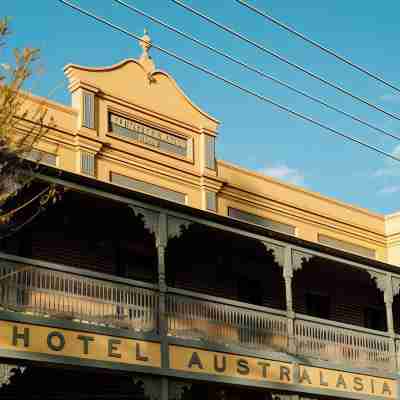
(81, 345)
(149, 136)
(258, 369)
(58, 343)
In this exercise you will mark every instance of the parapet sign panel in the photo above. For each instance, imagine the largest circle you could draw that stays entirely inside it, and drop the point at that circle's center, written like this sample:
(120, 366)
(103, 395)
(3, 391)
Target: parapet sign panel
(149, 136)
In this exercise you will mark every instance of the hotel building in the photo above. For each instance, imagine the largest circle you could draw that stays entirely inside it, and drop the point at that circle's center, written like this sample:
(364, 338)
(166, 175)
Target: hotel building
(164, 273)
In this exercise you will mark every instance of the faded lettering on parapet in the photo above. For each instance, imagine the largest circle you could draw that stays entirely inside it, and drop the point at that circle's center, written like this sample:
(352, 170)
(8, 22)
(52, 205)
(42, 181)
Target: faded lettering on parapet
(257, 369)
(147, 135)
(82, 345)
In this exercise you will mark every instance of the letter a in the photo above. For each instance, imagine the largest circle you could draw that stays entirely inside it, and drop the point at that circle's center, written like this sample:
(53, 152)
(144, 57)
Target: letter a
(305, 377)
(195, 360)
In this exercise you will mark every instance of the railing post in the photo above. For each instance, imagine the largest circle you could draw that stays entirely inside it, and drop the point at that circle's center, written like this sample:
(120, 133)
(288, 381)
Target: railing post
(162, 240)
(385, 285)
(388, 298)
(288, 277)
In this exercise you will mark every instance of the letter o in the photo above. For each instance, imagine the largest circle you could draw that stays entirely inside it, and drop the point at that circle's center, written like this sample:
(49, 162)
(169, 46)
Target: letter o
(55, 346)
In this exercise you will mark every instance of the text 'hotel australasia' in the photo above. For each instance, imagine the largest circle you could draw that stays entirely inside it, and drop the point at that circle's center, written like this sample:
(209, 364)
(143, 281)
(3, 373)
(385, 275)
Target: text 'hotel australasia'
(164, 273)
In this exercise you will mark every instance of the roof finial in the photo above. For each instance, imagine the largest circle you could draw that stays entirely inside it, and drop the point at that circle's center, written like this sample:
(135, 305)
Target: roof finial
(145, 59)
(145, 44)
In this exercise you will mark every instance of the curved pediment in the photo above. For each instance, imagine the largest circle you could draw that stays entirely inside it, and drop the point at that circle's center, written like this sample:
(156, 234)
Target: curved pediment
(134, 82)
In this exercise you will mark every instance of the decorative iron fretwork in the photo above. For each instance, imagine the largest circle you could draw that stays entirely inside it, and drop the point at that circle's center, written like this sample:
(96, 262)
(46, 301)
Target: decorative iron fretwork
(7, 371)
(396, 286)
(150, 218)
(151, 386)
(298, 258)
(384, 284)
(277, 251)
(379, 279)
(177, 226)
(221, 394)
(176, 389)
(281, 396)
(292, 396)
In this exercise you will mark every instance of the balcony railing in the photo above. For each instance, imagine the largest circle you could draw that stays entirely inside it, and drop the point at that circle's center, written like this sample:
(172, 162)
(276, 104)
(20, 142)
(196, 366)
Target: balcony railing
(63, 295)
(226, 324)
(341, 344)
(52, 291)
(216, 321)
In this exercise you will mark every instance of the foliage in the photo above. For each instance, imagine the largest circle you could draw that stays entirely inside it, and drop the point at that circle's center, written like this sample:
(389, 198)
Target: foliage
(22, 125)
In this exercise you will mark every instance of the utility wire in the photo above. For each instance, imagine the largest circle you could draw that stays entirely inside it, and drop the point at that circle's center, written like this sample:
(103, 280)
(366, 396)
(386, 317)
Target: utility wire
(229, 82)
(283, 59)
(317, 45)
(254, 69)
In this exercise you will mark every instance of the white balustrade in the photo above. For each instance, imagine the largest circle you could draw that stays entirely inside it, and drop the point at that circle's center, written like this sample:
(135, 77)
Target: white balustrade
(68, 296)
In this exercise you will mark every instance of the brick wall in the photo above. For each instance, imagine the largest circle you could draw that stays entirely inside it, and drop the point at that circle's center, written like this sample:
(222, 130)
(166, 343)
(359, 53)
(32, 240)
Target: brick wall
(225, 265)
(89, 233)
(350, 291)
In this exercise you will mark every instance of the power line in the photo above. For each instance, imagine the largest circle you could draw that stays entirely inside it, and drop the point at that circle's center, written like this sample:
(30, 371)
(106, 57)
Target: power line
(283, 59)
(229, 82)
(317, 44)
(254, 69)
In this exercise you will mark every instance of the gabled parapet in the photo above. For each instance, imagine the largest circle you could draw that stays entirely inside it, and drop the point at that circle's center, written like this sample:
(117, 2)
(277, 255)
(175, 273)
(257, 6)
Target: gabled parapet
(133, 111)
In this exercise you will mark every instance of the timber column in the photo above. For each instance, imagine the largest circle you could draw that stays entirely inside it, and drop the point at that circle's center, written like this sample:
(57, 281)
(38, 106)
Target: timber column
(162, 240)
(288, 277)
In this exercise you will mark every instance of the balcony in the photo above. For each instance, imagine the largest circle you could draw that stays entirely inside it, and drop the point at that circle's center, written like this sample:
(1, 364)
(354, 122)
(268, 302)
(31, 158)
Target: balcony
(259, 329)
(51, 291)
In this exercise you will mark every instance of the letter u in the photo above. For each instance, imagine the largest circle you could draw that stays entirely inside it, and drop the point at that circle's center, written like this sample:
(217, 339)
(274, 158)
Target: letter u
(217, 367)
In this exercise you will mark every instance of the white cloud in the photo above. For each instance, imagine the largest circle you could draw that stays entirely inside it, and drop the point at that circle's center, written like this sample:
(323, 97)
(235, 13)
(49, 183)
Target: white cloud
(285, 173)
(396, 151)
(387, 190)
(390, 98)
(389, 174)
(392, 167)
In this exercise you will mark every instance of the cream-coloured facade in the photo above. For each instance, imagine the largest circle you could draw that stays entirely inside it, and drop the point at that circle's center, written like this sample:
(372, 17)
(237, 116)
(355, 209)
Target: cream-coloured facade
(134, 91)
(163, 273)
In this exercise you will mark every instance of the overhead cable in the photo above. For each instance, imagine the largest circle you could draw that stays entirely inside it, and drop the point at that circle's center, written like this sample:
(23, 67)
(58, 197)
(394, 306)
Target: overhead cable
(229, 82)
(254, 69)
(283, 59)
(317, 44)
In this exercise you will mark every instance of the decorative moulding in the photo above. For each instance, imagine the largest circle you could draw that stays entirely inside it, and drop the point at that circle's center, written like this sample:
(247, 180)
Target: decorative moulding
(7, 371)
(298, 258)
(150, 218)
(277, 251)
(176, 226)
(177, 389)
(151, 386)
(379, 279)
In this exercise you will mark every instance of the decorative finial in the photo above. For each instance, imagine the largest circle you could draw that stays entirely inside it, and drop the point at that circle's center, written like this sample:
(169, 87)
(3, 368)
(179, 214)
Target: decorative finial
(145, 59)
(145, 44)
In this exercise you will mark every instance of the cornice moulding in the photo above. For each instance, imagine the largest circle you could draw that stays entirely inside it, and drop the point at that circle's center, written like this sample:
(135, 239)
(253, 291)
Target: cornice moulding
(302, 216)
(292, 208)
(316, 195)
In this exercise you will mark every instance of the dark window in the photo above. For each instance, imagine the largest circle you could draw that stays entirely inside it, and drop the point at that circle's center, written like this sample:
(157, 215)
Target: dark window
(375, 318)
(250, 291)
(318, 305)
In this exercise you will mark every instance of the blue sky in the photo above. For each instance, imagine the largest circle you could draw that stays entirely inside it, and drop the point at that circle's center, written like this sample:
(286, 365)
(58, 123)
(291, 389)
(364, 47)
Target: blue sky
(252, 134)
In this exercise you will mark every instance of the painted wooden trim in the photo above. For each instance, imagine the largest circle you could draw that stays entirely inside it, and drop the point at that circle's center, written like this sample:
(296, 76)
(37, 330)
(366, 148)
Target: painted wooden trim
(293, 388)
(76, 326)
(276, 356)
(220, 300)
(336, 324)
(78, 271)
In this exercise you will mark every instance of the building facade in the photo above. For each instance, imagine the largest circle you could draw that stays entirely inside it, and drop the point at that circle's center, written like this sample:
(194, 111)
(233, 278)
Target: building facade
(164, 273)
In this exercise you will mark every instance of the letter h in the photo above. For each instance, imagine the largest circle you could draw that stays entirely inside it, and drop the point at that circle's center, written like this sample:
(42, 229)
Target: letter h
(17, 336)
